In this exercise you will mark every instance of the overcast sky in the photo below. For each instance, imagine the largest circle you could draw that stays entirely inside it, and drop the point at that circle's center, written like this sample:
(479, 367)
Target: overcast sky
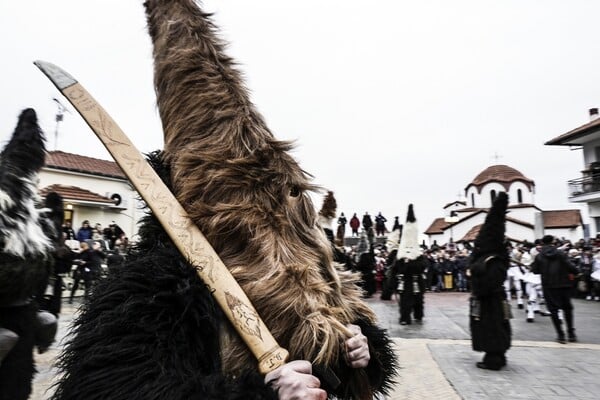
(389, 102)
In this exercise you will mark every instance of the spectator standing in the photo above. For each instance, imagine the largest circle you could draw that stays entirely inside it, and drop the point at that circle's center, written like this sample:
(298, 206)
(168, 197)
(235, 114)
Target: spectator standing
(68, 231)
(461, 267)
(114, 233)
(595, 279)
(367, 222)
(586, 267)
(554, 267)
(354, 225)
(341, 229)
(85, 232)
(89, 268)
(380, 221)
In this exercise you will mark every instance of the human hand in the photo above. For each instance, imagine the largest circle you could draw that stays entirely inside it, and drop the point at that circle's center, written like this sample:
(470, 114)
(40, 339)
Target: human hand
(357, 348)
(294, 381)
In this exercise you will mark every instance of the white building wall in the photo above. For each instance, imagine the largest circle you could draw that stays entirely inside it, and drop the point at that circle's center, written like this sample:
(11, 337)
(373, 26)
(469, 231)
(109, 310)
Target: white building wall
(126, 215)
(519, 232)
(527, 196)
(485, 197)
(589, 152)
(523, 214)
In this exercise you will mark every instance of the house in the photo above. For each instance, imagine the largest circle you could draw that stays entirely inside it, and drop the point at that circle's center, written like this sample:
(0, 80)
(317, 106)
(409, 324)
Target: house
(585, 188)
(92, 189)
(524, 221)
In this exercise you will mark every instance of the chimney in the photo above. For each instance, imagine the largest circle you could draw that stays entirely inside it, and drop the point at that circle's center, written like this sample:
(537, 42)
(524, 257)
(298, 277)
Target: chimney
(594, 114)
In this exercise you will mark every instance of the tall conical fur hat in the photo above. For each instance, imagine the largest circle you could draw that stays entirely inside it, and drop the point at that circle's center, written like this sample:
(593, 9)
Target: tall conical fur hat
(328, 210)
(327, 214)
(249, 195)
(409, 241)
(490, 239)
(20, 161)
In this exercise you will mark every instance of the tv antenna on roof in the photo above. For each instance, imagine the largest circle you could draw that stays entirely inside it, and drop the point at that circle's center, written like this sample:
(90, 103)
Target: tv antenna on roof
(59, 117)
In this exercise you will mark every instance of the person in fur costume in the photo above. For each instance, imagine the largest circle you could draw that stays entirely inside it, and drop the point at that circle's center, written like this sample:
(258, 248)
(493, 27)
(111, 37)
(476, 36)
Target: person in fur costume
(325, 221)
(489, 308)
(389, 281)
(151, 329)
(28, 234)
(409, 269)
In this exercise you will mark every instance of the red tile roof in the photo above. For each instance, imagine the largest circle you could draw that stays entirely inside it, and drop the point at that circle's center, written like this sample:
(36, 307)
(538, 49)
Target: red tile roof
(471, 235)
(75, 193)
(83, 164)
(502, 174)
(437, 226)
(562, 218)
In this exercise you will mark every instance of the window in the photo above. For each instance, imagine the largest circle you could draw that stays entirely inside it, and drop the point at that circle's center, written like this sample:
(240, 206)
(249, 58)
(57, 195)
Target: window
(519, 196)
(492, 195)
(472, 200)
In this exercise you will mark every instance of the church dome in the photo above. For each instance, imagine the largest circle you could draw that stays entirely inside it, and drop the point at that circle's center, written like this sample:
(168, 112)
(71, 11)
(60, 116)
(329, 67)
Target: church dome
(502, 174)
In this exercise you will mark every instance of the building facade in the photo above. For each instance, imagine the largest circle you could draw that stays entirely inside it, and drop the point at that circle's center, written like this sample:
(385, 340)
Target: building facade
(585, 188)
(93, 190)
(524, 221)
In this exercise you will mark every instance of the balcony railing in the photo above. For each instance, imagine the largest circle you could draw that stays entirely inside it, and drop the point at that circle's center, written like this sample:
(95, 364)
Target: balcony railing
(587, 184)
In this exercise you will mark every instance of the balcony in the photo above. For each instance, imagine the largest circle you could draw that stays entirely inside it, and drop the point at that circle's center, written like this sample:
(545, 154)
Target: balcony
(585, 189)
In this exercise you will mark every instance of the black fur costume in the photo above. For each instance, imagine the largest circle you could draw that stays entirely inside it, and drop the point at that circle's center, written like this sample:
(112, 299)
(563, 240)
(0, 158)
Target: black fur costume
(151, 331)
(489, 314)
(28, 235)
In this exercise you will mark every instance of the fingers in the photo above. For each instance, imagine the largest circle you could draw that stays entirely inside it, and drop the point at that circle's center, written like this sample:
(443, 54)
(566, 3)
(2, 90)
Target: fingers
(294, 381)
(357, 348)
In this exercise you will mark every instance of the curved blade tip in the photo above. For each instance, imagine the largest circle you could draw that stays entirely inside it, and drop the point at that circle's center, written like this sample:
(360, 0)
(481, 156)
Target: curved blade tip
(61, 78)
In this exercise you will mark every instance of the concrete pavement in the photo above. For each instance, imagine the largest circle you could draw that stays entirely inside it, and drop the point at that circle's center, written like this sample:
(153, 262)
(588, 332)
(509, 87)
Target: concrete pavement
(436, 360)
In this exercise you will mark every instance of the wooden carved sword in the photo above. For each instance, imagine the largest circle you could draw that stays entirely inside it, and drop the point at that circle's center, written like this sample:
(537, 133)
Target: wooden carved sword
(174, 219)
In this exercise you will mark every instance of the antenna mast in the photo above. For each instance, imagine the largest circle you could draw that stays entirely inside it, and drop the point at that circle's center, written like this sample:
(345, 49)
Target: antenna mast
(59, 117)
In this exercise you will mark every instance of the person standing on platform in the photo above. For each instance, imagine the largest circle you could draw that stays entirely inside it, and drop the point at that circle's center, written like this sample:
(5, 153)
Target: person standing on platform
(341, 229)
(354, 225)
(380, 221)
(489, 309)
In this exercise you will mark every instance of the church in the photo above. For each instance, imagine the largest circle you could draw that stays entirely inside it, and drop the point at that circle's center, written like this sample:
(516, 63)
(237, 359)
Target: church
(524, 221)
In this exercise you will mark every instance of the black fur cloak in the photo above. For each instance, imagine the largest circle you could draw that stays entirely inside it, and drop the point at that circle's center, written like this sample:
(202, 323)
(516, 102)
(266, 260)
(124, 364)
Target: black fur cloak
(151, 331)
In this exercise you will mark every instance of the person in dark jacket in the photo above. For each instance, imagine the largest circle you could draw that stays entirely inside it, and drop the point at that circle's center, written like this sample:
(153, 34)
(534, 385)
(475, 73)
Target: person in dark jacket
(85, 232)
(89, 268)
(489, 309)
(557, 274)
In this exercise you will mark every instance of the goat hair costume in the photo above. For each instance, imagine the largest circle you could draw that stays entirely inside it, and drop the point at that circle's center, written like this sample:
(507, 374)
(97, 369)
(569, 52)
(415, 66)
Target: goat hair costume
(28, 236)
(151, 330)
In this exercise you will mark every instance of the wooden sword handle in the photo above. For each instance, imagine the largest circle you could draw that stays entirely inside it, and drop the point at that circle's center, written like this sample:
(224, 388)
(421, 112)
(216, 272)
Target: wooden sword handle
(176, 222)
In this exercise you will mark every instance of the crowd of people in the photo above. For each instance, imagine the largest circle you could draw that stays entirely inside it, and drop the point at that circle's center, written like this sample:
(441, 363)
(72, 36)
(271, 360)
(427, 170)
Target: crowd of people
(446, 269)
(80, 259)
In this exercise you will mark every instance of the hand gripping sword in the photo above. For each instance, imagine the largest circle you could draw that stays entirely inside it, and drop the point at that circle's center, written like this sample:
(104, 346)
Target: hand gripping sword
(178, 225)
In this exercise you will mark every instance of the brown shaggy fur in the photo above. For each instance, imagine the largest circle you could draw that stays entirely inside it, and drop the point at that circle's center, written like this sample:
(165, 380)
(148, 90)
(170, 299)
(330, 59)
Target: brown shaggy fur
(329, 206)
(246, 193)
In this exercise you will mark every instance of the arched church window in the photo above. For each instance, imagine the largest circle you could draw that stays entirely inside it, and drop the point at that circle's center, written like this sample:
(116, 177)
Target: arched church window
(472, 200)
(519, 196)
(493, 195)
